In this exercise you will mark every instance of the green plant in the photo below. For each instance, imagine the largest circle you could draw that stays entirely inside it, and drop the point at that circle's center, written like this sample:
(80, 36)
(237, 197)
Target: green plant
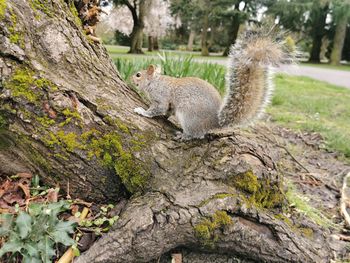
(33, 234)
(100, 223)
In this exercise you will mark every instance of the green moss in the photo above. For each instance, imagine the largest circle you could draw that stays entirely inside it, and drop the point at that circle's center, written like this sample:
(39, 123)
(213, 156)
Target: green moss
(70, 115)
(3, 5)
(116, 122)
(109, 149)
(16, 37)
(3, 121)
(206, 230)
(75, 13)
(307, 232)
(42, 5)
(247, 182)
(45, 121)
(69, 140)
(23, 83)
(258, 193)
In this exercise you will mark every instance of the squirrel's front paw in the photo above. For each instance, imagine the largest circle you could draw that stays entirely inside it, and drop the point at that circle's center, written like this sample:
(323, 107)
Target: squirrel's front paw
(141, 111)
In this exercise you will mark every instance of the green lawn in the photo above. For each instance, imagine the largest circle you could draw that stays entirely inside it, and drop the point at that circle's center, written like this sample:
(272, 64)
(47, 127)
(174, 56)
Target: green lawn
(305, 104)
(299, 103)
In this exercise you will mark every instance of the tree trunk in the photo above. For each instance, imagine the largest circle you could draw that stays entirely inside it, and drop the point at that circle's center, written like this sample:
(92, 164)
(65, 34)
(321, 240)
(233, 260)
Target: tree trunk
(319, 15)
(191, 40)
(204, 35)
(67, 116)
(155, 43)
(233, 31)
(150, 43)
(338, 41)
(138, 15)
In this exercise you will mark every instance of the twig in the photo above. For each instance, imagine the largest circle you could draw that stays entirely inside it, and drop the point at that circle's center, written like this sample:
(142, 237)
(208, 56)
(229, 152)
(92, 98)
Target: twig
(344, 200)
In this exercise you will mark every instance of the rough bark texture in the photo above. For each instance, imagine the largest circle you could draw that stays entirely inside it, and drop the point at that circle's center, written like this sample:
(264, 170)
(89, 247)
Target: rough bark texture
(338, 42)
(67, 116)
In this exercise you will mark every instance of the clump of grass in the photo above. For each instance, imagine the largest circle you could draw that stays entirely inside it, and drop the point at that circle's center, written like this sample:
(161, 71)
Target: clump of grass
(305, 104)
(301, 204)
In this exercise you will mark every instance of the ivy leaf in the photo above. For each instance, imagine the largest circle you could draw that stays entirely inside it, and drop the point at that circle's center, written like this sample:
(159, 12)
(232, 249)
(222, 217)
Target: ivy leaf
(67, 226)
(34, 209)
(6, 221)
(30, 259)
(45, 248)
(10, 246)
(31, 249)
(54, 208)
(60, 233)
(62, 237)
(23, 223)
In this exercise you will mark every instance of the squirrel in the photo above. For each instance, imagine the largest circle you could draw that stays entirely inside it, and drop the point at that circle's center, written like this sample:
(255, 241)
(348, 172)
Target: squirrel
(198, 106)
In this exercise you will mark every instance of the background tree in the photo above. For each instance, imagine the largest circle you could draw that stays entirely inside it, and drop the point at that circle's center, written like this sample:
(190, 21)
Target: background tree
(139, 10)
(307, 17)
(157, 21)
(340, 14)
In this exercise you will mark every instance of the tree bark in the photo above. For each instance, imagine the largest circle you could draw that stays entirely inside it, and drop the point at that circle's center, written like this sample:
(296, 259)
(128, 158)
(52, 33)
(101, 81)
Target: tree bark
(150, 43)
(138, 15)
(191, 40)
(67, 116)
(204, 35)
(155, 43)
(338, 41)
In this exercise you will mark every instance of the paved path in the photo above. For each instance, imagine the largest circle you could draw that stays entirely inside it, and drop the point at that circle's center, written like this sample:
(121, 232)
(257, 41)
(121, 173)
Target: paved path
(332, 76)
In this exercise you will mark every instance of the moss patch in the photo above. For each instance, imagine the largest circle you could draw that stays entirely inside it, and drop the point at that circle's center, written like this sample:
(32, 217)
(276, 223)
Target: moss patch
(16, 37)
(260, 193)
(3, 5)
(42, 5)
(75, 13)
(23, 83)
(206, 230)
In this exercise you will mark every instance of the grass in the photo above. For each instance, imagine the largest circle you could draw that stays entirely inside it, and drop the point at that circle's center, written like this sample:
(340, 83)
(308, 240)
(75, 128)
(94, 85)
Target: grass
(302, 103)
(302, 204)
(299, 103)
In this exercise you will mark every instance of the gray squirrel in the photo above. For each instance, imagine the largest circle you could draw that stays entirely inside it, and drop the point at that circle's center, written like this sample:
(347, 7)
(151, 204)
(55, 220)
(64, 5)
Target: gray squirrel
(198, 106)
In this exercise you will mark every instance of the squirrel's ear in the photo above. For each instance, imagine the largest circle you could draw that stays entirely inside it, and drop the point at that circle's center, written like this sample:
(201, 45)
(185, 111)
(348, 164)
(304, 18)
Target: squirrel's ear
(151, 69)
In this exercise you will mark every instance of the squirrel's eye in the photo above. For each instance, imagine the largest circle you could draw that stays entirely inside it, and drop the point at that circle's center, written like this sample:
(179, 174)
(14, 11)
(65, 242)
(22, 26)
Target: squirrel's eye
(138, 74)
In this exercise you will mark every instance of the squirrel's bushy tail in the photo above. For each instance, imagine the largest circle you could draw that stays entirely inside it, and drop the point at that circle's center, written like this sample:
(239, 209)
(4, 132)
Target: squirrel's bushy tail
(248, 77)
